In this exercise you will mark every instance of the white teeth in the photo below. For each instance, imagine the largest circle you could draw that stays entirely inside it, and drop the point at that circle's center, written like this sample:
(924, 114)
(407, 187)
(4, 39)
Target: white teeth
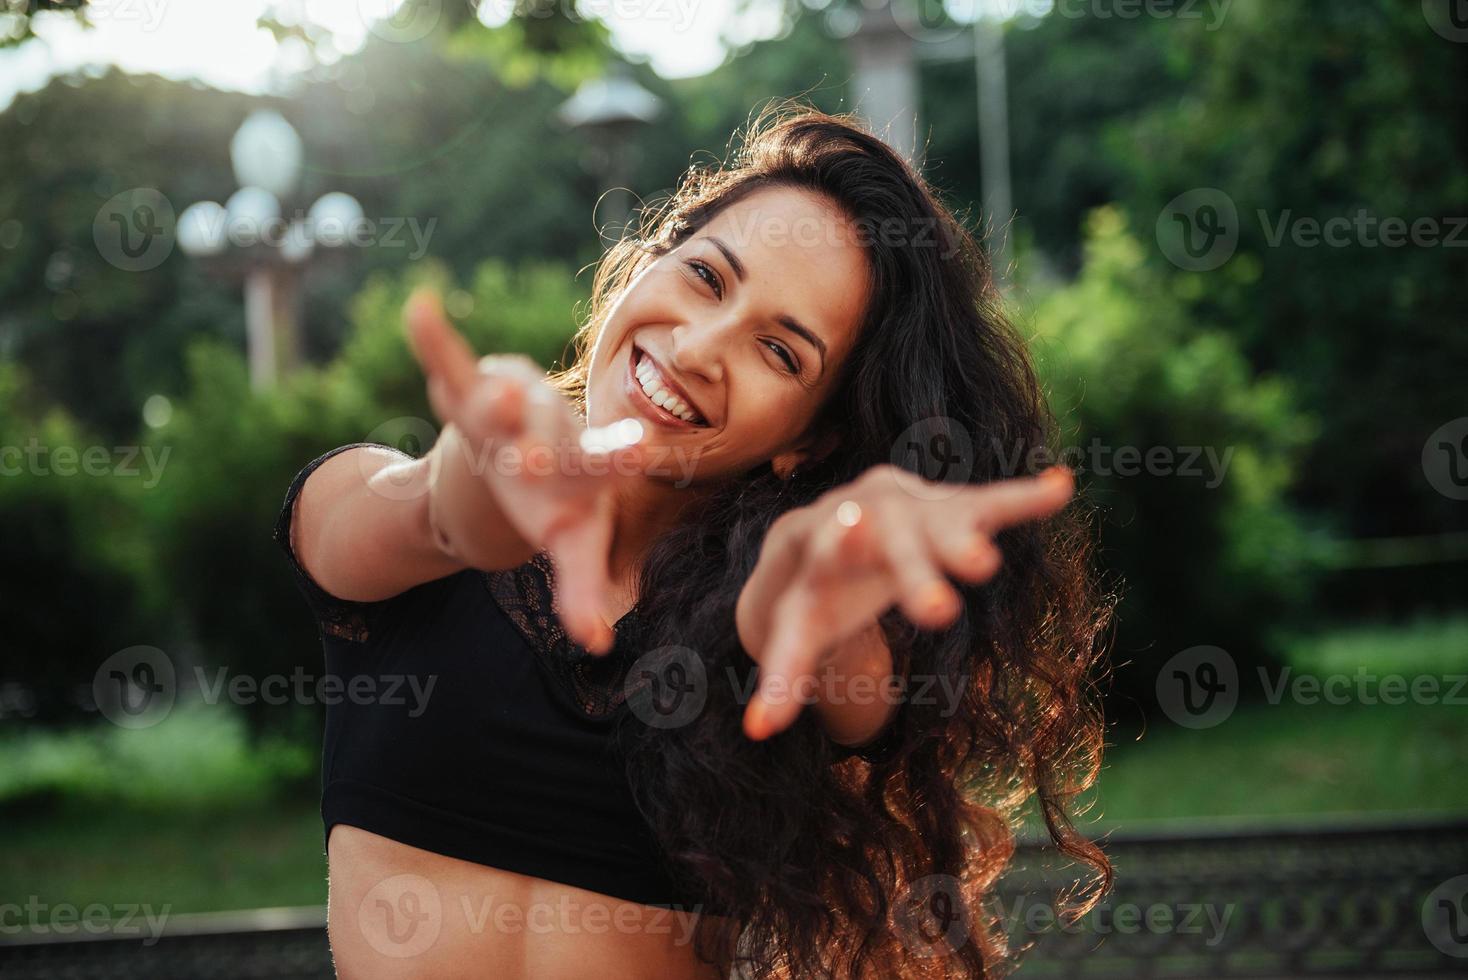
(660, 396)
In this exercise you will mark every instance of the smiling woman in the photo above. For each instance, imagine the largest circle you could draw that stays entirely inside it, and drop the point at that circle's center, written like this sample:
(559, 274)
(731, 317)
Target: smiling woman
(626, 648)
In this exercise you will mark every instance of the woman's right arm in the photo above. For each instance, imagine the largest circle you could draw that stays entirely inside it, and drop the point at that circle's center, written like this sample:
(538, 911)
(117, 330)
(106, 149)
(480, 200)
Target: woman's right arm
(370, 523)
(506, 478)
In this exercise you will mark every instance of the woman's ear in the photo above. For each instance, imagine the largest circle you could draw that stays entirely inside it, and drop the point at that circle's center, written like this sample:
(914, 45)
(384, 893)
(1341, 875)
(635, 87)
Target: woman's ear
(818, 449)
(786, 463)
(822, 447)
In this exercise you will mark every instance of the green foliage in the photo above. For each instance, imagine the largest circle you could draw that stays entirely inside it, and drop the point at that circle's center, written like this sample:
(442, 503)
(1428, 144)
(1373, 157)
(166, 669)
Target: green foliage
(73, 556)
(181, 556)
(529, 309)
(95, 338)
(1073, 82)
(197, 758)
(1212, 556)
(541, 42)
(1325, 111)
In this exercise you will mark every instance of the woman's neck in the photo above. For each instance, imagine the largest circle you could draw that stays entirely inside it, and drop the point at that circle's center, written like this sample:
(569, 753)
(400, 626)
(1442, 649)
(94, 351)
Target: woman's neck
(641, 511)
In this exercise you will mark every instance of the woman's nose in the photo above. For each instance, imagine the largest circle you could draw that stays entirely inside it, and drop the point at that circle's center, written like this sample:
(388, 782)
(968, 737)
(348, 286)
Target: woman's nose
(697, 349)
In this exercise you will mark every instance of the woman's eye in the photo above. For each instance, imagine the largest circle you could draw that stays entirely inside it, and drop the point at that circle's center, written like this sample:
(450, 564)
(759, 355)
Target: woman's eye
(707, 275)
(784, 355)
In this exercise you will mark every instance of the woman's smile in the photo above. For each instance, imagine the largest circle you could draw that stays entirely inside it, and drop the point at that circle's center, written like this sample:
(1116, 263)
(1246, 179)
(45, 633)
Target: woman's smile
(656, 396)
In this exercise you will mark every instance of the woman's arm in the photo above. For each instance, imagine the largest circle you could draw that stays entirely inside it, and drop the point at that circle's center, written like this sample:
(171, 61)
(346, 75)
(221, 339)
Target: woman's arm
(826, 571)
(364, 526)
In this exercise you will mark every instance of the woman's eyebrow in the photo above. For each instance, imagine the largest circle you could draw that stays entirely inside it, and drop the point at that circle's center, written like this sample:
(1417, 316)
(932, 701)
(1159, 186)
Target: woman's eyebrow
(809, 335)
(788, 322)
(729, 257)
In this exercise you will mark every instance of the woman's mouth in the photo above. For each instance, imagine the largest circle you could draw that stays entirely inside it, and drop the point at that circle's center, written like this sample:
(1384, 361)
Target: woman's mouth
(657, 397)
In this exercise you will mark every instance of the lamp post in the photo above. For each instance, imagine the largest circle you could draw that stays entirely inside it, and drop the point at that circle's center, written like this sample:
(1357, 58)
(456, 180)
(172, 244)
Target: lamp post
(610, 110)
(984, 46)
(884, 72)
(993, 121)
(250, 239)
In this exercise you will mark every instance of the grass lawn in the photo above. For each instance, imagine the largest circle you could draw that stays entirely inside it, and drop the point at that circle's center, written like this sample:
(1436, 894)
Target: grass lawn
(185, 814)
(188, 815)
(1285, 760)
(188, 860)
(1291, 758)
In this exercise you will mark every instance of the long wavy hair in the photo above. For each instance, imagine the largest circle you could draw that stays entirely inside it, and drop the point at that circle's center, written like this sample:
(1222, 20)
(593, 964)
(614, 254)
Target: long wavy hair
(821, 862)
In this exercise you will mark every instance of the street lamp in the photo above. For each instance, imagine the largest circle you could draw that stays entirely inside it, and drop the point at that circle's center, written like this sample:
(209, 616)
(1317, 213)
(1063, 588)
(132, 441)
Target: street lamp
(249, 238)
(884, 71)
(610, 110)
(993, 121)
(880, 37)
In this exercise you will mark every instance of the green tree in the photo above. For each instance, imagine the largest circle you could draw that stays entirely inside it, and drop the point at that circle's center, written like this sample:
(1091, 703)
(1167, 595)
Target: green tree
(1202, 535)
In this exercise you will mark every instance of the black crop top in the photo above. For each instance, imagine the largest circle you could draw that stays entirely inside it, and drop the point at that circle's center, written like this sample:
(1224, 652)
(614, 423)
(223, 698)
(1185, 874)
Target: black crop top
(469, 725)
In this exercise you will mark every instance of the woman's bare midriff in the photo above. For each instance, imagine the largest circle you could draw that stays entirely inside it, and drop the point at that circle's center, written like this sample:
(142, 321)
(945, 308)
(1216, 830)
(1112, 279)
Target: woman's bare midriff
(399, 912)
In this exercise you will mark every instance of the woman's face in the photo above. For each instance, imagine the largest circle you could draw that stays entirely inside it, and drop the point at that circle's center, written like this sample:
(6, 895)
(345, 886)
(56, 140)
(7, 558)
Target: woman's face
(738, 334)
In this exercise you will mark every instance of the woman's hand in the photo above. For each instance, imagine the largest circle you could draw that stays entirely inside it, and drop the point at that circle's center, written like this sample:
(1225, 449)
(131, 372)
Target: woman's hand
(546, 475)
(826, 571)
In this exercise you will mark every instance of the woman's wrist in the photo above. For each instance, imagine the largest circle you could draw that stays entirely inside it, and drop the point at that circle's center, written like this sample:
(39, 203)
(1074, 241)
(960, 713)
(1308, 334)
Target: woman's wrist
(462, 520)
(857, 691)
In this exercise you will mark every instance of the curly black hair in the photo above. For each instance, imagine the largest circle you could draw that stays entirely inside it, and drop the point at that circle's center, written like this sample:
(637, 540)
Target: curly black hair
(824, 862)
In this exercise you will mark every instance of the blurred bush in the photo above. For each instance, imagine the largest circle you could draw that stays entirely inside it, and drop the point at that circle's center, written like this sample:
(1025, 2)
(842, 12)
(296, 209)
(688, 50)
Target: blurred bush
(1203, 537)
(73, 555)
(189, 565)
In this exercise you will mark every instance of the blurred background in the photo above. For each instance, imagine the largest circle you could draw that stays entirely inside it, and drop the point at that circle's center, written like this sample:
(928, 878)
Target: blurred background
(1236, 230)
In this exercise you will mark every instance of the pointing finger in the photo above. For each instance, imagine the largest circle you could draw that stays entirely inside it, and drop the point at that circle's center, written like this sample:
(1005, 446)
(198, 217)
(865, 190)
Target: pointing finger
(1015, 501)
(580, 554)
(791, 654)
(439, 348)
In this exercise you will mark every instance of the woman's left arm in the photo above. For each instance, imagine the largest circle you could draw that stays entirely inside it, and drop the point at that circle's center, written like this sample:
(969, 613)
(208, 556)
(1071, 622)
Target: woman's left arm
(826, 571)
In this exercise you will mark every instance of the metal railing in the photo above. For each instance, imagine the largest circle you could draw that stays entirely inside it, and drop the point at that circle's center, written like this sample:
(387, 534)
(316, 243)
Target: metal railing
(1325, 900)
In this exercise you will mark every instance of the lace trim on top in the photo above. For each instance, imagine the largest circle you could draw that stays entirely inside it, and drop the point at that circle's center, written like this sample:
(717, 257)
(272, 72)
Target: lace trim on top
(595, 686)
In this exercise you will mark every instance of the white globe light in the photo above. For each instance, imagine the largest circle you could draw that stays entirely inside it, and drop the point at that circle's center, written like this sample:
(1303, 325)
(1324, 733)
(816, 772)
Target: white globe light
(157, 410)
(267, 152)
(297, 245)
(334, 217)
(202, 229)
(250, 213)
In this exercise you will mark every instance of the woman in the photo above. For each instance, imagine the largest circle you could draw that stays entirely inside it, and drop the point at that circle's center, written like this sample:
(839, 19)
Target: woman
(797, 697)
